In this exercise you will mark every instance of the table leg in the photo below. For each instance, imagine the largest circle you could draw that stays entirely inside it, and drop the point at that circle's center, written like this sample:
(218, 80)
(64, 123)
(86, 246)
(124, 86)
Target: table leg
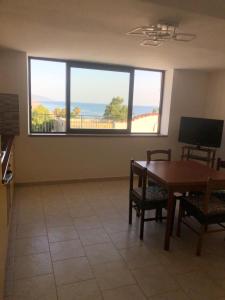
(169, 221)
(173, 216)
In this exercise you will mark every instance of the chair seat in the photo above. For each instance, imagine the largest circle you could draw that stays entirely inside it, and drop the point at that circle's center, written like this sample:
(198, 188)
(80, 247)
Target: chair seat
(194, 204)
(156, 196)
(152, 182)
(220, 194)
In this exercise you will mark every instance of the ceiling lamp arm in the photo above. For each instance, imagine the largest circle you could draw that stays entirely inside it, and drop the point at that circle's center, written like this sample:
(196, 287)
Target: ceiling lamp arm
(158, 33)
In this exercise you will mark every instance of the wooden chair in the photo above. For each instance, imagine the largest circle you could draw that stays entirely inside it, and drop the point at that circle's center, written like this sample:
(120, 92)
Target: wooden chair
(220, 165)
(206, 208)
(144, 197)
(158, 155)
(205, 155)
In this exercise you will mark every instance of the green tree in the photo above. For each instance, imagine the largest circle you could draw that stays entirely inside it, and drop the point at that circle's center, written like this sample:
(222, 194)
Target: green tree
(155, 110)
(75, 112)
(59, 112)
(40, 114)
(42, 120)
(116, 110)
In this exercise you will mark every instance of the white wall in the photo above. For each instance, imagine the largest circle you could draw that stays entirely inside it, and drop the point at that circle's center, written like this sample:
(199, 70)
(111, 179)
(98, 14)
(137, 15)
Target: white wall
(215, 102)
(66, 158)
(188, 98)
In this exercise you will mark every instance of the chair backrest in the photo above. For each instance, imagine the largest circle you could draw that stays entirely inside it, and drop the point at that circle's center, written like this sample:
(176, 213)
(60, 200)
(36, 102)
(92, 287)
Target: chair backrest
(212, 186)
(205, 155)
(141, 173)
(159, 155)
(220, 164)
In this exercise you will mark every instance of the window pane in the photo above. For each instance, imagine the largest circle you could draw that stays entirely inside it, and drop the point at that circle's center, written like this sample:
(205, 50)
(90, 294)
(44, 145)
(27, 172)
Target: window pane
(146, 101)
(99, 99)
(48, 94)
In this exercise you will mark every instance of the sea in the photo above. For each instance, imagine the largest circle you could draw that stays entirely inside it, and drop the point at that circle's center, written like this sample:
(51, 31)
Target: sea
(92, 109)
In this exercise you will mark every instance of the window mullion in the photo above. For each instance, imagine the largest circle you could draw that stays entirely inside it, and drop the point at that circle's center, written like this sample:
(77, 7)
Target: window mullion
(130, 100)
(67, 97)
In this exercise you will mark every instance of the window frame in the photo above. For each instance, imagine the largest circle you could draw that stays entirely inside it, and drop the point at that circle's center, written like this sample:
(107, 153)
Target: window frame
(97, 66)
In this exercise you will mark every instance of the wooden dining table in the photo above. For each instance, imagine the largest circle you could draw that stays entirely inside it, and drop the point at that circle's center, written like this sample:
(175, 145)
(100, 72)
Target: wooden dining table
(179, 176)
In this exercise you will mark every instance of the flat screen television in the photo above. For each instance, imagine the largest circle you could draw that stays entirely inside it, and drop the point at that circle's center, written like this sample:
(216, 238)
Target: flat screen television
(201, 132)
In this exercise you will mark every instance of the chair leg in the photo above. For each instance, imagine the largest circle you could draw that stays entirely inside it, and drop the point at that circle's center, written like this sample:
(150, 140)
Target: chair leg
(160, 215)
(172, 223)
(130, 211)
(156, 215)
(199, 245)
(142, 224)
(137, 212)
(180, 216)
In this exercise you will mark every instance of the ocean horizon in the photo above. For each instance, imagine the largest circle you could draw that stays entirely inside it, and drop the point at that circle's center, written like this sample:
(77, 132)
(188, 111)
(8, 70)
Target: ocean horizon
(96, 109)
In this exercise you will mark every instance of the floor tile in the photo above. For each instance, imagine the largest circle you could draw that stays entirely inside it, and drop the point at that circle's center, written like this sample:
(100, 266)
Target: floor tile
(220, 283)
(106, 214)
(112, 275)
(39, 287)
(100, 204)
(91, 220)
(78, 211)
(52, 208)
(72, 270)
(211, 262)
(154, 280)
(66, 249)
(51, 192)
(86, 223)
(85, 290)
(197, 285)
(102, 253)
(58, 220)
(137, 257)
(8, 288)
(176, 295)
(32, 265)
(178, 262)
(64, 233)
(32, 217)
(116, 226)
(125, 239)
(33, 245)
(124, 293)
(93, 236)
(30, 230)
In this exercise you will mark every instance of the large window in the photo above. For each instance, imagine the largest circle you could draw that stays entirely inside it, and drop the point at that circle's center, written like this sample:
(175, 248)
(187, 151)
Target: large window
(146, 101)
(47, 96)
(86, 98)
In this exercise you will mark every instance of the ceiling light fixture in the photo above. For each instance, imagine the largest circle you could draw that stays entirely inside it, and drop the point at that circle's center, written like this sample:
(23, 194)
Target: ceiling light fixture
(155, 35)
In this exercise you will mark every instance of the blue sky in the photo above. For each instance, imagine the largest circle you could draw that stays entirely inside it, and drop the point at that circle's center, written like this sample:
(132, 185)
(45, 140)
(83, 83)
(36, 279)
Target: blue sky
(147, 86)
(97, 86)
(48, 79)
(93, 86)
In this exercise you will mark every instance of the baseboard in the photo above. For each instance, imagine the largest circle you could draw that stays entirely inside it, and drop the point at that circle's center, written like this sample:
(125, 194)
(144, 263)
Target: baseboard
(68, 181)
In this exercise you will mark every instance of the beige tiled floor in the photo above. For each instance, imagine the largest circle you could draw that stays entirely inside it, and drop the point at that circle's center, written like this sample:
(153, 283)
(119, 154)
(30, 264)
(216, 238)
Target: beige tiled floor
(73, 242)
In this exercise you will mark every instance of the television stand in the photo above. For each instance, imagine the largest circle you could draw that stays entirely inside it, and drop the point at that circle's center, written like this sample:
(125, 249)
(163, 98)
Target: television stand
(203, 154)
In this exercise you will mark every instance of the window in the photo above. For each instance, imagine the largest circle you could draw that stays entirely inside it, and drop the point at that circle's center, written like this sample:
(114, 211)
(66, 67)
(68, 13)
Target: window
(86, 98)
(146, 101)
(98, 99)
(47, 96)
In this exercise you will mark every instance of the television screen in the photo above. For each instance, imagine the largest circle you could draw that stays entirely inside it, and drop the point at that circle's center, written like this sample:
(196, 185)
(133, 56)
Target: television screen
(201, 132)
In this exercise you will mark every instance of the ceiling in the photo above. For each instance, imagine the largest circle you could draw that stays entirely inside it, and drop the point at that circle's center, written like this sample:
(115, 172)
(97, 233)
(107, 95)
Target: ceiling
(211, 8)
(94, 30)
